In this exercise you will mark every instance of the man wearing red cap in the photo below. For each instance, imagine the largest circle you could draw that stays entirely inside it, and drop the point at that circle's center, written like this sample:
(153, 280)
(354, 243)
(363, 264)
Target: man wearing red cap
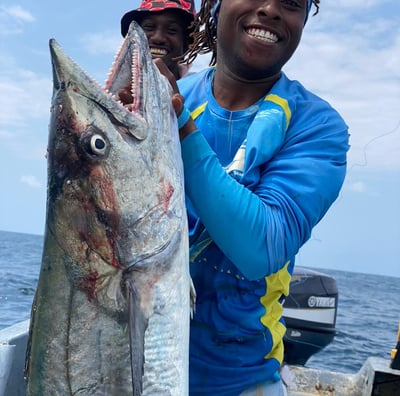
(167, 25)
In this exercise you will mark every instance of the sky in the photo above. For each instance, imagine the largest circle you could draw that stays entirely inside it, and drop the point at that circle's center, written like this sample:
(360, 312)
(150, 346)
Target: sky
(349, 55)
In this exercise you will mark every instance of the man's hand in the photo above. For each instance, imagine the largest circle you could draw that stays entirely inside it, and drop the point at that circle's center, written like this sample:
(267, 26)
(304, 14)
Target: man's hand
(162, 67)
(125, 96)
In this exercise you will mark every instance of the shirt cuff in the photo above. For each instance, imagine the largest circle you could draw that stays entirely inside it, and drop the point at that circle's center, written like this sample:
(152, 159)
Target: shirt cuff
(194, 148)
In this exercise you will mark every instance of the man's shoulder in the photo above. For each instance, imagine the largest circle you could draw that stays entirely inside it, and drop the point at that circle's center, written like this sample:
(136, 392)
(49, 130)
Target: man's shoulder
(193, 79)
(305, 104)
(194, 87)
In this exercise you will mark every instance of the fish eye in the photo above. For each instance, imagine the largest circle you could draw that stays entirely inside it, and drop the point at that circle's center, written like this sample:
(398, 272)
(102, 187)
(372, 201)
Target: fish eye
(95, 143)
(98, 145)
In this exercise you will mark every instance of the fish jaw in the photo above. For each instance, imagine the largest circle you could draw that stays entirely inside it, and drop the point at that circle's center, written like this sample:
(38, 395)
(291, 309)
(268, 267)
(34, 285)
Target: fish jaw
(70, 76)
(133, 66)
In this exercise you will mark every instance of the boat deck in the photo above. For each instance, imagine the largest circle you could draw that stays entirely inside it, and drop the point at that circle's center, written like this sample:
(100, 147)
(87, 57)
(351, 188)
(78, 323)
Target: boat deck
(374, 378)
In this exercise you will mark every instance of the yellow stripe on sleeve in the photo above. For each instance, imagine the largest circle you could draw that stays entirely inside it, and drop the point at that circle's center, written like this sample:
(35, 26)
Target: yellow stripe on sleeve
(196, 112)
(277, 284)
(283, 103)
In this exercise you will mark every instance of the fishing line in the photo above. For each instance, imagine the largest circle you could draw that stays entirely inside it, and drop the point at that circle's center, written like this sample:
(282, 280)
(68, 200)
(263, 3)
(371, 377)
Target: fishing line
(361, 164)
(365, 162)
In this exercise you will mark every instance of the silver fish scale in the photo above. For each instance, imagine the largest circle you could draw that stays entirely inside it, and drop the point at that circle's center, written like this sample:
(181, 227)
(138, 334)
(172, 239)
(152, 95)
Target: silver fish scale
(163, 359)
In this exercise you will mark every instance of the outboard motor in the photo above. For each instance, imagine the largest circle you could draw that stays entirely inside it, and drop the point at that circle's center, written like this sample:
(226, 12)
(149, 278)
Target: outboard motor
(310, 314)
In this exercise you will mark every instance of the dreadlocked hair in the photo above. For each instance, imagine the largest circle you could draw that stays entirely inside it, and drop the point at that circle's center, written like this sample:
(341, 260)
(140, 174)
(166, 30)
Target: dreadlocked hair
(204, 36)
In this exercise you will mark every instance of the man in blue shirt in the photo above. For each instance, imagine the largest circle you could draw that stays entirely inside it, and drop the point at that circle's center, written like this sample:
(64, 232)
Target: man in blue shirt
(264, 159)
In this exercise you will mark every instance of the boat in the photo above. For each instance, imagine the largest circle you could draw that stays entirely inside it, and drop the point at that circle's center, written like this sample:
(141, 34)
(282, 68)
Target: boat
(310, 314)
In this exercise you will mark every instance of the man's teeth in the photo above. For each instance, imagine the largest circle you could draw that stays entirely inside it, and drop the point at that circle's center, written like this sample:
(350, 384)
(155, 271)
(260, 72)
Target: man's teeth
(158, 52)
(264, 35)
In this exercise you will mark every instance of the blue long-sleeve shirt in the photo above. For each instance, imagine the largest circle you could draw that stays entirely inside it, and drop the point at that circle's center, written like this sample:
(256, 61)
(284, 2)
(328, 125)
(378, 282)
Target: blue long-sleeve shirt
(257, 181)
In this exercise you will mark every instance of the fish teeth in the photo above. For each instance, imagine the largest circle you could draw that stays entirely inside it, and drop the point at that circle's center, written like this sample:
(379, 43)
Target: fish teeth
(263, 34)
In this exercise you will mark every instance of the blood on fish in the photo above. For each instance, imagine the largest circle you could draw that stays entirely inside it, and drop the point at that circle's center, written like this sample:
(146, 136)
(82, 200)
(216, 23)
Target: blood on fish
(168, 190)
(87, 283)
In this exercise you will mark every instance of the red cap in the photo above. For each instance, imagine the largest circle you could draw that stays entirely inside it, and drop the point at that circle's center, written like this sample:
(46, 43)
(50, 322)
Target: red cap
(185, 7)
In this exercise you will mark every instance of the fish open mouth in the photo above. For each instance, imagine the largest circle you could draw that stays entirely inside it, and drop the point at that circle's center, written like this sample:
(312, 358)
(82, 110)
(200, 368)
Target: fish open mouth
(132, 61)
(125, 83)
(124, 77)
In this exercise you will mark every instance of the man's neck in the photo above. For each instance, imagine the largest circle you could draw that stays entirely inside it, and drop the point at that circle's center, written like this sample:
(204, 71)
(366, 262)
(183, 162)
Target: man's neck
(234, 93)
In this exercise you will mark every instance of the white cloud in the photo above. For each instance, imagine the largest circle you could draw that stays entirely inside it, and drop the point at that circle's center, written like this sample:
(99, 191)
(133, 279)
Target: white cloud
(13, 18)
(31, 181)
(25, 111)
(200, 63)
(356, 67)
(358, 186)
(5, 135)
(357, 4)
(106, 42)
(20, 13)
(25, 95)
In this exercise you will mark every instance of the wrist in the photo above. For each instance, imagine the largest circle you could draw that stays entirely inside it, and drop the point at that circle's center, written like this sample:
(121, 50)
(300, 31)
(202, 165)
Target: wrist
(184, 117)
(187, 129)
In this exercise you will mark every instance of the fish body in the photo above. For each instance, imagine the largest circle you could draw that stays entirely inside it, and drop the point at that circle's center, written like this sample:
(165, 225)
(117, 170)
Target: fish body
(111, 310)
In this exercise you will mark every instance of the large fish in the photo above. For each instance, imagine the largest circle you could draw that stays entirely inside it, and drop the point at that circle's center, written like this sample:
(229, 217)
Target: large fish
(111, 311)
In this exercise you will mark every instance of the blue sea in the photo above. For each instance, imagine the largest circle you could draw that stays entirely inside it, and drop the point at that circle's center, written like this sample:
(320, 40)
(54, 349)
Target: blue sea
(367, 319)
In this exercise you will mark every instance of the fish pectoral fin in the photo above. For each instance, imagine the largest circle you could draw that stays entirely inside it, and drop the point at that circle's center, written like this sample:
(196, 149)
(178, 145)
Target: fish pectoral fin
(192, 299)
(29, 343)
(137, 322)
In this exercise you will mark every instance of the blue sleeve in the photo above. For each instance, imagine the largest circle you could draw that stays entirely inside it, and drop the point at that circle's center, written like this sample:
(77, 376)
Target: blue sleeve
(259, 229)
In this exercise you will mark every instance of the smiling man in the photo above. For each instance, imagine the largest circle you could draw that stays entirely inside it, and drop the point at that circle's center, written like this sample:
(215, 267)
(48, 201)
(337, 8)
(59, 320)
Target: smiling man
(167, 27)
(264, 159)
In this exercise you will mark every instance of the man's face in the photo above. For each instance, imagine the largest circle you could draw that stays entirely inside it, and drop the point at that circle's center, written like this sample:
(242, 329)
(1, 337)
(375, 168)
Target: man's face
(165, 34)
(255, 38)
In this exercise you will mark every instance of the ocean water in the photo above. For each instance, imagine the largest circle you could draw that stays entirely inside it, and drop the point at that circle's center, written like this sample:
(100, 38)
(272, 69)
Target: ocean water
(367, 319)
